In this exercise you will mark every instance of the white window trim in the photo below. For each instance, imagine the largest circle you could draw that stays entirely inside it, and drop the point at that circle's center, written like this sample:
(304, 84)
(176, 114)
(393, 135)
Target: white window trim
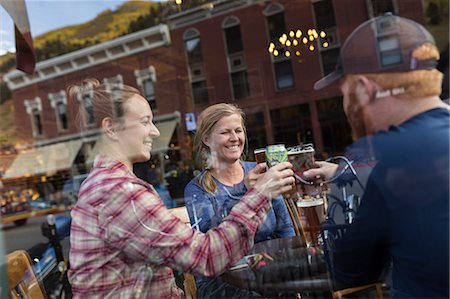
(230, 21)
(31, 106)
(55, 99)
(142, 75)
(273, 9)
(190, 34)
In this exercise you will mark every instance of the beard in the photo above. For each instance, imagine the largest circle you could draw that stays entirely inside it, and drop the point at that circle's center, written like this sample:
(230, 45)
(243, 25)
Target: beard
(355, 116)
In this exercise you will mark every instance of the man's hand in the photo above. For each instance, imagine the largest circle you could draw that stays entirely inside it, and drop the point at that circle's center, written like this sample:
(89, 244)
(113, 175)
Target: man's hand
(325, 171)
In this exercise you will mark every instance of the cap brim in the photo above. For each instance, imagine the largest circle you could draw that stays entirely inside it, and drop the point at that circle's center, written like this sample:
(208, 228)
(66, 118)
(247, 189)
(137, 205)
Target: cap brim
(330, 78)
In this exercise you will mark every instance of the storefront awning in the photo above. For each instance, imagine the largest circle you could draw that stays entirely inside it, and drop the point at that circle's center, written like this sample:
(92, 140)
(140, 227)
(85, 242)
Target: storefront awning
(46, 160)
(160, 144)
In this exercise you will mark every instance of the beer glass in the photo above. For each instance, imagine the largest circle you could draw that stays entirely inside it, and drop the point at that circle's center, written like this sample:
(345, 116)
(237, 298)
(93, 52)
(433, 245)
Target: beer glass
(312, 215)
(302, 158)
(260, 155)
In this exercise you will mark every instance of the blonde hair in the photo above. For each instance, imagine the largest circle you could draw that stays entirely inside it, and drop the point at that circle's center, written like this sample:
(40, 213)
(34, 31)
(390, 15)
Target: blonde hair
(107, 101)
(416, 84)
(207, 120)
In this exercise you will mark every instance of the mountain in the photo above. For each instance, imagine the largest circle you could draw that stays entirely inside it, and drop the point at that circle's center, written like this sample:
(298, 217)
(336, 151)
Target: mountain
(107, 25)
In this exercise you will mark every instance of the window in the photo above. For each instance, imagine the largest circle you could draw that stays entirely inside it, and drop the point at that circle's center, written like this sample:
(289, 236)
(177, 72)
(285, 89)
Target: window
(236, 61)
(326, 21)
(114, 85)
(58, 101)
(379, 7)
(200, 92)
(336, 133)
(284, 75)
(194, 54)
(292, 125)
(62, 116)
(34, 109)
(388, 43)
(234, 39)
(37, 122)
(275, 20)
(194, 50)
(329, 60)
(89, 109)
(256, 131)
(85, 99)
(324, 14)
(146, 79)
(241, 87)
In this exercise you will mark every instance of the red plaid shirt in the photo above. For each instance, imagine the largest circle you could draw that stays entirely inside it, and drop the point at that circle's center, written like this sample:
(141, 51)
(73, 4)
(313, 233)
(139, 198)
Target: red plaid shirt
(124, 241)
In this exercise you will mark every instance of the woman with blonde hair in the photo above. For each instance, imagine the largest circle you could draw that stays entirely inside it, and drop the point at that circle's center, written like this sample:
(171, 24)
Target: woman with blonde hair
(220, 143)
(124, 241)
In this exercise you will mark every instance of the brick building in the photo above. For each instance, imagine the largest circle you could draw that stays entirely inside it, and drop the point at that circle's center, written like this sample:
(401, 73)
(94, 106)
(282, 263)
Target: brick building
(218, 52)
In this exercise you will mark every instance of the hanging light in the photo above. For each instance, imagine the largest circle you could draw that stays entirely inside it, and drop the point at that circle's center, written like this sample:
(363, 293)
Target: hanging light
(287, 53)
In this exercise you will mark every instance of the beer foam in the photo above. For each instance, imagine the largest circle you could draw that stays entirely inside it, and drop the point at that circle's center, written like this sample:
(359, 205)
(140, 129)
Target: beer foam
(305, 203)
(300, 149)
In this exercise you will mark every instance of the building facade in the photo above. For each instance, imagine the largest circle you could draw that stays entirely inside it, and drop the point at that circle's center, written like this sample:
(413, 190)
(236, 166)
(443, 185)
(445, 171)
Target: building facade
(225, 51)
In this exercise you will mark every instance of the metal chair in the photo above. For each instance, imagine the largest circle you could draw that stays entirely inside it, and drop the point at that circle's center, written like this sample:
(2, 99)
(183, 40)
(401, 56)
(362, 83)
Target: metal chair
(22, 280)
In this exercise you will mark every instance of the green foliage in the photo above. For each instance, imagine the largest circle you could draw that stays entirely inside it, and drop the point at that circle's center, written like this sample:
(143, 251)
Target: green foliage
(130, 17)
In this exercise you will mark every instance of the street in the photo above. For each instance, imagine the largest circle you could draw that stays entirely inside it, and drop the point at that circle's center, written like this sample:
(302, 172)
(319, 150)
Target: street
(24, 237)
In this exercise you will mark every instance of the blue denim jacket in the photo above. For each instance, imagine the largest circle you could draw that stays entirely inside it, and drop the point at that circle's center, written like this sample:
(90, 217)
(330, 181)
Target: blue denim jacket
(207, 210)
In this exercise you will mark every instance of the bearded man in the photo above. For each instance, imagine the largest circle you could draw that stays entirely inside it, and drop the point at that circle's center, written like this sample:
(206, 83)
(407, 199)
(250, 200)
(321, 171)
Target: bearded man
(391, 98)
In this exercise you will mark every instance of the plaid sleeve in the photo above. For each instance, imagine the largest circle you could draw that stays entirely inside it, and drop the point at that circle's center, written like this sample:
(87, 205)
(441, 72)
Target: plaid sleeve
(143, 228)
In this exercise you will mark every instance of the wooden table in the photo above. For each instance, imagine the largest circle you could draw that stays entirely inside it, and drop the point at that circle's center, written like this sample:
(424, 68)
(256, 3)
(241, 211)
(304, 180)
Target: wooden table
(294, 269)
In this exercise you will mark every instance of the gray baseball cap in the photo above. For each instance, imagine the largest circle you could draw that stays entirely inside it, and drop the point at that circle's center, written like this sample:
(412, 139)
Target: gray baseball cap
(381, 45)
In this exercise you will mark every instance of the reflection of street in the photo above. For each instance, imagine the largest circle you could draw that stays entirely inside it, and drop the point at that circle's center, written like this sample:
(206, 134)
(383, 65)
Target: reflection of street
(24, 237)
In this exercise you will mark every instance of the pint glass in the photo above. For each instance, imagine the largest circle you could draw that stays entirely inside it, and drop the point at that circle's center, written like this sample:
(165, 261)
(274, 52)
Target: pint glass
(312, 216)
(302, 158)
(260, 155)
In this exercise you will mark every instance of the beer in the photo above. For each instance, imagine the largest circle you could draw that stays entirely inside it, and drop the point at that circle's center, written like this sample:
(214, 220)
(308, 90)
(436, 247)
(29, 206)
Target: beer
(312, 215)
(302, 158)
(260, 155)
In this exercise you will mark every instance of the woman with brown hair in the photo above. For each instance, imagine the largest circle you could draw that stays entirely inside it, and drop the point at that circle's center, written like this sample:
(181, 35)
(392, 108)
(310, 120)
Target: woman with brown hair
(124, 241)
(220, 143)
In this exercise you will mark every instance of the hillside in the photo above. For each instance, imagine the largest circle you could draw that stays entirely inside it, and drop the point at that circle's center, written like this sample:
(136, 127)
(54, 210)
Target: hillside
(105, 26)
(7, 125)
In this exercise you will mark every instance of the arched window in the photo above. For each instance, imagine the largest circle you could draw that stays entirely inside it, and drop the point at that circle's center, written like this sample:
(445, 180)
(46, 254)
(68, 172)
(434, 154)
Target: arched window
(230, 22)
(237, 67)
(193, 48)
(273, 9)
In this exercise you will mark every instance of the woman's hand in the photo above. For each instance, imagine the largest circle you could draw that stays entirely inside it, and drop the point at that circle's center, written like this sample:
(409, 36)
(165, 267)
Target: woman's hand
(278, 179)
(254, 174)
(325, 171)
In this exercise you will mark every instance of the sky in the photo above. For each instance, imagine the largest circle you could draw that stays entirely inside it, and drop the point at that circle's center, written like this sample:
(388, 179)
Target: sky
(47, 15)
